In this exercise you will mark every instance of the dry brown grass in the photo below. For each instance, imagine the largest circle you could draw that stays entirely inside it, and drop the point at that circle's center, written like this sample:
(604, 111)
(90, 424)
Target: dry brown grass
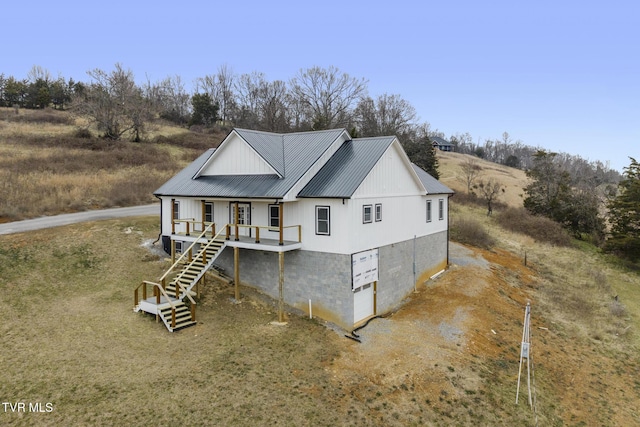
(513, 179)
(70, 338)
(47, 168)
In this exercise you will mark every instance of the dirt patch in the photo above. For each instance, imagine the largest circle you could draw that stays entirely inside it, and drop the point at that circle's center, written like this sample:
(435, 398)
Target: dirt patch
(454, 348)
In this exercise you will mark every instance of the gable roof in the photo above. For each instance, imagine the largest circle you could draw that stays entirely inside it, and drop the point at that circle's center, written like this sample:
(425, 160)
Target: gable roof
(347, 168)
(291, 155)
(440, 141)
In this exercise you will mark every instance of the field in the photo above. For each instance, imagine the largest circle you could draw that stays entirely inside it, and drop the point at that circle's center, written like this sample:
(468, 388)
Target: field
(449, 355)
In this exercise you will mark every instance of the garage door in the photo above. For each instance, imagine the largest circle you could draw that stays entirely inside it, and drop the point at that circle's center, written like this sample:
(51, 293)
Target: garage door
(363, 302)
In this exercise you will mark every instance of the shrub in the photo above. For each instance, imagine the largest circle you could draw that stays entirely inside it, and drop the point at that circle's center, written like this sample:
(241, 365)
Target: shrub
(540, 228)
(42, 116)
(471, 232)
(617, 309)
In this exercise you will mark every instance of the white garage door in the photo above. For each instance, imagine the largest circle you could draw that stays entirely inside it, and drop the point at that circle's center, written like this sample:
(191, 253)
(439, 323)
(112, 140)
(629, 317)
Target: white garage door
(363, 302)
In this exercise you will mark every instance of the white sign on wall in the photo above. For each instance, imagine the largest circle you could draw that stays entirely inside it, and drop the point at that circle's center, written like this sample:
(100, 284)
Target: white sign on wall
(364, 268)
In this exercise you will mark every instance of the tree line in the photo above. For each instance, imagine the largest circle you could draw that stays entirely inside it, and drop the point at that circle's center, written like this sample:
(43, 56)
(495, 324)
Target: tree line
(563, 187)
(313, 99)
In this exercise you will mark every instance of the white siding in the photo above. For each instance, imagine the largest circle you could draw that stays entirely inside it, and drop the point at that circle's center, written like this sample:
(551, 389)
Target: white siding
(390, 176)
(402, 218)
(236, 157)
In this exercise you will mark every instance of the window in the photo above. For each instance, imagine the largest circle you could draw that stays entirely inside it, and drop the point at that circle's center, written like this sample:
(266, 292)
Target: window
(441, 209)
(176, 210)
(274, 216)
(428, 210)
(378, 212)
(178, 244)
(366, 214)
(208, 211)
(323, 220)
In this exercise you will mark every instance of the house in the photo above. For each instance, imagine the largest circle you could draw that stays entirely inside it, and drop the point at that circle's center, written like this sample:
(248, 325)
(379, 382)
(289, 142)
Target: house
(441, 143)
(337, 227)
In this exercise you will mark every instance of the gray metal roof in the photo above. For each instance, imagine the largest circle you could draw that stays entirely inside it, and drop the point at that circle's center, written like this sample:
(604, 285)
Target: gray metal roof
(347, 168)
(291, 155)
(440, 141)
(432, 185)
(298, 150)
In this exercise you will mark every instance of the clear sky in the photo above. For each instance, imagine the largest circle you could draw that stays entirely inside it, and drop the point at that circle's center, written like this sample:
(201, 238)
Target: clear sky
(562, 75)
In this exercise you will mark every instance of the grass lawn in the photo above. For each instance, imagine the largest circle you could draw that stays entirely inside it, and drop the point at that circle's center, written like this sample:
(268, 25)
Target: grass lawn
(70, 339)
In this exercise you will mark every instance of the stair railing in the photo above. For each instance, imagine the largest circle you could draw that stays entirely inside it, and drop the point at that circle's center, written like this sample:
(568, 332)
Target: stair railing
(185, 253)
(203, 255)
(156, 293)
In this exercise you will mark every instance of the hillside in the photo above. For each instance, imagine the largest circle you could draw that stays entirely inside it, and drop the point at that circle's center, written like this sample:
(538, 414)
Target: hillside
(447, 356)
(514, 180)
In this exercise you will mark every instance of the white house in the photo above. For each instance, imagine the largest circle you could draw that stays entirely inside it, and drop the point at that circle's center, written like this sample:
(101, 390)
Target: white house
(318, 220)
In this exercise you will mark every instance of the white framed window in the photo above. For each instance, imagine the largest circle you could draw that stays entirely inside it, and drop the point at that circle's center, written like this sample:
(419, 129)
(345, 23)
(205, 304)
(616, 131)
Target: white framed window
(378, 212)
(428, 210)
(441, 209)
(366, 214)
(208, 211)
(323, 220)
(178, 246)
(274, 216)
(176, 209)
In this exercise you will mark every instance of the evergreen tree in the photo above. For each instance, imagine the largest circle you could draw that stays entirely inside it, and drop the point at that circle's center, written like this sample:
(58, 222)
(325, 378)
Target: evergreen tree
(423, 155)
(551, 194)
(624, 216)
(205, 111)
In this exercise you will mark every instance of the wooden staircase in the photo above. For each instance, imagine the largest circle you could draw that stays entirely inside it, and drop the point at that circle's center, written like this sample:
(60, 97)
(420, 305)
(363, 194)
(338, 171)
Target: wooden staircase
(168, 302)
(194, 270)
(182, 316)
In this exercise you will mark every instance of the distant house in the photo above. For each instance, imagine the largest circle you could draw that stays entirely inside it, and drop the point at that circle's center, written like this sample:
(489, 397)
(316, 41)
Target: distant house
(340, 227)
(441, 144)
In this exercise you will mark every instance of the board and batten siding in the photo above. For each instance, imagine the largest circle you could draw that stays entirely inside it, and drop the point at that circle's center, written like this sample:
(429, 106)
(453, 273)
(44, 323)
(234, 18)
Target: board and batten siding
(391, 176)
(403, 218)
(236, 157)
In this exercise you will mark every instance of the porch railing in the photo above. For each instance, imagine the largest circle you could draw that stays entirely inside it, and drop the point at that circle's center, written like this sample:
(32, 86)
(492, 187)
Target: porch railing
(257, 228)
(193, 226)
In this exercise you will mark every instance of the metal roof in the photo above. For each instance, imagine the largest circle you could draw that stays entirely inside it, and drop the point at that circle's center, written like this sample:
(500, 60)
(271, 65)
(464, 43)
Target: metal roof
(432, 185)
(291, 155)
(347, 168)
(440, 141)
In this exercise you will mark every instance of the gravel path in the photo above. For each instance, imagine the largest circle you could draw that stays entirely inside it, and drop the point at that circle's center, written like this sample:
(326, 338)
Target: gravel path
(66, 219)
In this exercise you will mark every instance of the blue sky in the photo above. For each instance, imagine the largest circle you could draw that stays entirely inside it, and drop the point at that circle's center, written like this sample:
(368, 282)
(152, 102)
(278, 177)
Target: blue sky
(562, 75)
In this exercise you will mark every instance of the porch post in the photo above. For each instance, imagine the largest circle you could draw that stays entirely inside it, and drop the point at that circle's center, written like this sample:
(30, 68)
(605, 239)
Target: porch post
(281, 287)
(235, 221)
(173, 251)
(281, 222)
(236, 272)
(203, 214)
(173, 216)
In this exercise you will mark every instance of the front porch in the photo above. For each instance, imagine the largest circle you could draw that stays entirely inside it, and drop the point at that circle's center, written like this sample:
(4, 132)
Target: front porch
(256, 237)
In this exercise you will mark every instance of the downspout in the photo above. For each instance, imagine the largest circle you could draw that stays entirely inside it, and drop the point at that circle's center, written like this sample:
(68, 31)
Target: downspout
(159, 235)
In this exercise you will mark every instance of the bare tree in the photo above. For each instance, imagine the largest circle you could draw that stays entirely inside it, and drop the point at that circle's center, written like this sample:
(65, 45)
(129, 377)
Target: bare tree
(387, 115)
(490, 191)
(327, 95)
(115, 104)
(220, 88)
(470, 172)
(170, 98)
